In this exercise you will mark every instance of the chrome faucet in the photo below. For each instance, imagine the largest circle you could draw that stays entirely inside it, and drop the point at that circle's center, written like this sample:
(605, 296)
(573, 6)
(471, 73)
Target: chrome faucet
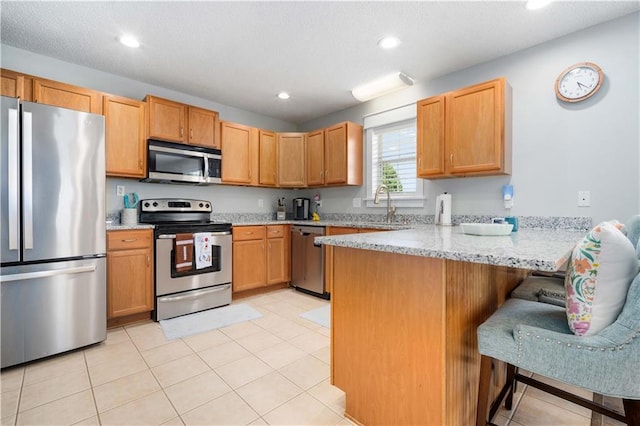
(391, 210)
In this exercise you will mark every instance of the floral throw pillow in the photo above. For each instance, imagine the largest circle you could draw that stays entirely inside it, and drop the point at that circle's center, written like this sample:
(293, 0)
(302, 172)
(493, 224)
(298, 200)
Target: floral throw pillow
(598, 276)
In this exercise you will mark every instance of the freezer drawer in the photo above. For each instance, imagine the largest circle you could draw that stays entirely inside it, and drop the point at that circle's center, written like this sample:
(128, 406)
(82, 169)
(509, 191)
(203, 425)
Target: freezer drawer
(52, 308)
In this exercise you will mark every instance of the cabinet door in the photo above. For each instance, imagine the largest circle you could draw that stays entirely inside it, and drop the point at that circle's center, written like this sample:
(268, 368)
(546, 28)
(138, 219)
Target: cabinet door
(291, 159)
(239, 149)
(315, 158)
(268, 159)
(66, 96)
(431, 137)
(336, 154)
(204, 127)
(125, 152)
(475, 128)
(249, 264)
(166, 119)
(130, 288)
(278, 270)
(16, 85)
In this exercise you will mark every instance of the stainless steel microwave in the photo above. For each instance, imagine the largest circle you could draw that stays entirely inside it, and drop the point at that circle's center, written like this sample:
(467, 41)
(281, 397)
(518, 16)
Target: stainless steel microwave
(186, 164)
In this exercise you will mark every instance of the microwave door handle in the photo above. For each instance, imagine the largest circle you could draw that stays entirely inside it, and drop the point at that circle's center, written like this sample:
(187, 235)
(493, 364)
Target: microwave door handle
(206, 168)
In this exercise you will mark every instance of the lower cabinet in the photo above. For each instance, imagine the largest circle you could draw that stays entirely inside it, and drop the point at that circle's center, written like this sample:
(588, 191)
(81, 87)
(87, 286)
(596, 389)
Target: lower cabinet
(261, 256)
(129, 272)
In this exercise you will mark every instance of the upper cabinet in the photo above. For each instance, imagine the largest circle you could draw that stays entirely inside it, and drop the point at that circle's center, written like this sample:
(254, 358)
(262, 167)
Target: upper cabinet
(125, 152)
(268, 158)
(16, 85)
(343, 154)
(315, 158)
(66, 96)
(291, 148)
(466, 132)
(167, 119)
(177, 122)
(239, 154)
(204, 127)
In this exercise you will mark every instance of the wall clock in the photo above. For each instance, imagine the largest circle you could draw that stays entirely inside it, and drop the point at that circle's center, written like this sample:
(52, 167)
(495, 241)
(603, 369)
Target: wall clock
(579, 82)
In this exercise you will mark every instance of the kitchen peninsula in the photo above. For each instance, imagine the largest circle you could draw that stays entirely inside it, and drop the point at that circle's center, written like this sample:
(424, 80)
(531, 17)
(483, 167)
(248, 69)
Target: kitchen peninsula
(405, 308)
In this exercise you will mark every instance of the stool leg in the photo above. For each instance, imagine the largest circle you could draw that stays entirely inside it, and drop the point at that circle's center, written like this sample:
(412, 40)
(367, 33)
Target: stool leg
(511, 380)
(632, 411)
(484, 383)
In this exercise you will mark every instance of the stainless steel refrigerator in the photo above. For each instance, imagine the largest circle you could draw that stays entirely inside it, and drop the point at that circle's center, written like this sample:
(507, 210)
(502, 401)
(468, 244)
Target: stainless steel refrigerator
(53, 264)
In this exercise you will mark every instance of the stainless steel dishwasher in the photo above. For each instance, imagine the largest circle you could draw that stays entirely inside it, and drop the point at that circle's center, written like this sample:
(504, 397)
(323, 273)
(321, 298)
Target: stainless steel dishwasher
(307, 260)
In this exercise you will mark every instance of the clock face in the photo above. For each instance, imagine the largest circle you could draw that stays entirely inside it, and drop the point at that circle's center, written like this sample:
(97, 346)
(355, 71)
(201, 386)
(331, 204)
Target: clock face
(579, 82)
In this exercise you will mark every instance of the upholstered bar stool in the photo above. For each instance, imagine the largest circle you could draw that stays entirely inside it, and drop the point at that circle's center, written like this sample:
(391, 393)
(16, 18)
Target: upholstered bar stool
(568, 345)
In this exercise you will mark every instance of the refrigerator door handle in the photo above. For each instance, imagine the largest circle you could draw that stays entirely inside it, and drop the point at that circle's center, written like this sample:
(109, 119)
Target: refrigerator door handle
(27, 166)
(49, 273)
(12, 170)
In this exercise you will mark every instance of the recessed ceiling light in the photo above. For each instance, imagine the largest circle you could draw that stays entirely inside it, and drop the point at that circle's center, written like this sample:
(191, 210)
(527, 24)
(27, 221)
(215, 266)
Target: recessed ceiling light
(129, 41)
(537, 4)
(389, 42)
(283, 95)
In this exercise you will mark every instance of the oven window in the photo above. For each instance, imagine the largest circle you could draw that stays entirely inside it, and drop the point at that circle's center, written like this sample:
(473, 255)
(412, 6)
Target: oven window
(216, 264)
(177, 164)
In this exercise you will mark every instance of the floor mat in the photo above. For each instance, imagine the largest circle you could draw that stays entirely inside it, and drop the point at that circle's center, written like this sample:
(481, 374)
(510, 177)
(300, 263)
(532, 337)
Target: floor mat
(320, 316)
(211, 319)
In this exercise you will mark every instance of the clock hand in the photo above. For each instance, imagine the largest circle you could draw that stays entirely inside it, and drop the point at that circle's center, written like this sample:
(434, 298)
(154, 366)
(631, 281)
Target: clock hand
(583, 86)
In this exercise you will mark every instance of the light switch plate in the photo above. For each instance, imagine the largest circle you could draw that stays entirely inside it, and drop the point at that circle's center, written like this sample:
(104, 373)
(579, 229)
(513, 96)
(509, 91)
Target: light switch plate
(120, 190)
(357, 202)
(260, 203)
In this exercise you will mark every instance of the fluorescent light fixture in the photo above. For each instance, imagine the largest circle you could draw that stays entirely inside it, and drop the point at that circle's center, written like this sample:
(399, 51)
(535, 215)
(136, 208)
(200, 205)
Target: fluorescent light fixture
(382, 86)
(283, 95)
(537, 4)
(129, 41)
(389, 42)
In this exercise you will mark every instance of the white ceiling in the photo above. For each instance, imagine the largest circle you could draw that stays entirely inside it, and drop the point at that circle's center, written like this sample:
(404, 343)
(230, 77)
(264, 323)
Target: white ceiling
(243, 53)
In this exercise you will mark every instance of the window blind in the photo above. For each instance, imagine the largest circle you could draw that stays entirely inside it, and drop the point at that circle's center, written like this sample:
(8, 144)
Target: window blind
(393, 158)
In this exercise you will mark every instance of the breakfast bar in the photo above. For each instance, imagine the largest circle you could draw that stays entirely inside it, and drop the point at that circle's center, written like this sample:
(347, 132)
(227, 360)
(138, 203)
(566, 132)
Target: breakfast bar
(405, 308)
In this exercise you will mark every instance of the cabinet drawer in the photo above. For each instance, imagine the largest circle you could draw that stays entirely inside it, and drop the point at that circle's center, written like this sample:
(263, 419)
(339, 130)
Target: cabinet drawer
(122, 240)
(276, 231)
(242, 233)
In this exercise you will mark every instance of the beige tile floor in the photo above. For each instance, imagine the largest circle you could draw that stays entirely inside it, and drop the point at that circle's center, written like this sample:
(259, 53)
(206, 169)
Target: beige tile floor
(273, 370)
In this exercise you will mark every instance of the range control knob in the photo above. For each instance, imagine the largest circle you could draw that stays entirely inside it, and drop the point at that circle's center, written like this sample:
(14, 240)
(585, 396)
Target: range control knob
(146, 204)
(207, 205)
(155, 204)
(200, 205)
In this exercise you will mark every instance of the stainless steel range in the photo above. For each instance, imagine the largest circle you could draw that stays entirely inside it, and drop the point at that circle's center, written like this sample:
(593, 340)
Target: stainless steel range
(193, 256)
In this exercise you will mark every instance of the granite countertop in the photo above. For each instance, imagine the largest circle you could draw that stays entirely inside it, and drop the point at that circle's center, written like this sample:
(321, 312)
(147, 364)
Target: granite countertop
(371, 225)
(119, 227)
(533, 249)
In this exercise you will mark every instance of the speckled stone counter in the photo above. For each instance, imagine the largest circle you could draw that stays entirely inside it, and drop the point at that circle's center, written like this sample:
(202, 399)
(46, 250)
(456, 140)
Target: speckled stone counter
(533, 249)
(118, 227)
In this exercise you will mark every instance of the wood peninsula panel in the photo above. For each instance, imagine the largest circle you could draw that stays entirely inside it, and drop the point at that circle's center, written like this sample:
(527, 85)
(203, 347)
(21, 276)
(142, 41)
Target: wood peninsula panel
(388, 336)
(404, 343)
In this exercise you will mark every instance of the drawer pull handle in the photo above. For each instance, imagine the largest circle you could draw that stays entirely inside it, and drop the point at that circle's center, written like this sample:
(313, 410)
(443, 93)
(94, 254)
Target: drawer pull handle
(129, 240)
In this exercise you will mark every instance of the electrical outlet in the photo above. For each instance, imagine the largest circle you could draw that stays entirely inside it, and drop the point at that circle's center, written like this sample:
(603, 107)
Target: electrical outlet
(584, 198)
(120, 190)
(357, 202)
(319, 203)
(260, 203)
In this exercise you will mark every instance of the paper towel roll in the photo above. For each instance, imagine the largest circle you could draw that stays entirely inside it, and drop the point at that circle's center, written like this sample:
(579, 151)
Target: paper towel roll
(443, 209)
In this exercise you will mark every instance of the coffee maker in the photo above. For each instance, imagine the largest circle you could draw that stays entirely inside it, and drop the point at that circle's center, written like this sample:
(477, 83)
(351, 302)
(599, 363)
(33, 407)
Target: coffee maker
(301, 208)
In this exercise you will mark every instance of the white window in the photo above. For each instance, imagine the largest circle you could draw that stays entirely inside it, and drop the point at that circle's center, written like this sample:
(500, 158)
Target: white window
(391, 157)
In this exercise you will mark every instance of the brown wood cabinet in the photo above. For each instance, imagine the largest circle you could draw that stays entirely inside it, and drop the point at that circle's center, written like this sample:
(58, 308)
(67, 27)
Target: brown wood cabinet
(315, 158)
(64, 95)
(343, 154)
(129, 272)
(177, 122)
(204, 127)
(466, 132)
(16, 85)
(240, 153)
(268, 158)
(291, 149)
(261, 256)
(126, 146)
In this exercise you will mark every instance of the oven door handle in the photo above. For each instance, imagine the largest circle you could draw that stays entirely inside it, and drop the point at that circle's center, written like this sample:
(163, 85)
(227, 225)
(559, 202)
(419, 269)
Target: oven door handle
(173, 236)
(195, 294)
